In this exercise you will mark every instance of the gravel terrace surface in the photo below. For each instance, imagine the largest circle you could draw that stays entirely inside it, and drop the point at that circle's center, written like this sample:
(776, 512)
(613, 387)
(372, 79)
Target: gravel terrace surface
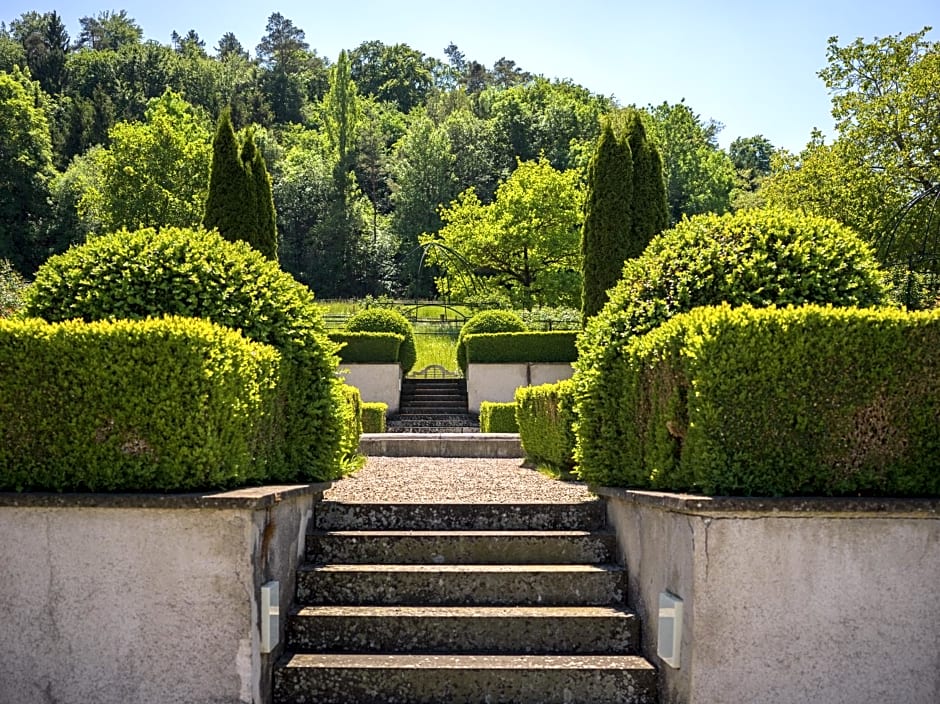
(452, 480)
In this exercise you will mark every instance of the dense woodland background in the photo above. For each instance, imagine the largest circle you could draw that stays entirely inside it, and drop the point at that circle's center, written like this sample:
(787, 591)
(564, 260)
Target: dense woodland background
(385, 148)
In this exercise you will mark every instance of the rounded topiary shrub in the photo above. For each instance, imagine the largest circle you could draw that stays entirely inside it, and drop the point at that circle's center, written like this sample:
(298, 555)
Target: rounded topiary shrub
(483, 322)
(194, 273)
(754, 257)
(385, 320)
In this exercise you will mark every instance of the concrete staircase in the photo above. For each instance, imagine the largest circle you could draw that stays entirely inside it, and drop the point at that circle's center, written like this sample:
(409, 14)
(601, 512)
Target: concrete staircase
(422, 603)
(433, 406)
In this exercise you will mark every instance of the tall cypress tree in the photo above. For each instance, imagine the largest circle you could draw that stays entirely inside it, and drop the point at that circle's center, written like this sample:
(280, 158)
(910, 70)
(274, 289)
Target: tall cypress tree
(608, 214)
(650, 212)
(240, 204)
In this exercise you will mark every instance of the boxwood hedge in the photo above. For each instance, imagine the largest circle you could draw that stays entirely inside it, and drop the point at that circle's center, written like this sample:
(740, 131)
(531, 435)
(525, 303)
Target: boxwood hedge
(498, 417)
(193, 273)
(384, 320)
(545, 415)
(811, 400)
(507, 347)
(484, 322)
(367, 347)
(373, 417)
(155, 405)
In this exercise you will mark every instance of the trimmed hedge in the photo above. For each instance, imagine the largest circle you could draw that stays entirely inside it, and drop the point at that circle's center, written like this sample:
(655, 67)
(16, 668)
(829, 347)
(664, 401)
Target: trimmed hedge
(498, 417)
(483, 322)
(156, 405)
(771, 402)
(506, 347)
(384, 320)
(373, 417)
(367, 347)
(545, 415)
(193, 273)
(350, 404)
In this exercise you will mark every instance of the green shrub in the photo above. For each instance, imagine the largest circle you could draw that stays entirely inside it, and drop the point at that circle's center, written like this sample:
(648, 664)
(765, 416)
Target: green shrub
(193, 273)
(498, 417)
(12, 286)
(373, 417)
(157, 405)
(384, 320)
(754, 257)
(506, 347)
(367, 347)
(793, 401)
(350, 403)
(546, 423)
(486, 321)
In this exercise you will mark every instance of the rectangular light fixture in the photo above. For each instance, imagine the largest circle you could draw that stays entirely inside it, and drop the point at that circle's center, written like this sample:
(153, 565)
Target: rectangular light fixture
(270, 616)
(670, 629)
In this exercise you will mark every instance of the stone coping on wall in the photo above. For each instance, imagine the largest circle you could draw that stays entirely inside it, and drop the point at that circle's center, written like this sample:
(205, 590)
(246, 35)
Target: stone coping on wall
(256, 497)
(788, 506)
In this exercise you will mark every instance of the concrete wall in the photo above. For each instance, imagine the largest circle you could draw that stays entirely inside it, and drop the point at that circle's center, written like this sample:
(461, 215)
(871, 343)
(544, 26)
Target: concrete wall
(377, 383)
(498, 382)
(144, 598)
(788, 600)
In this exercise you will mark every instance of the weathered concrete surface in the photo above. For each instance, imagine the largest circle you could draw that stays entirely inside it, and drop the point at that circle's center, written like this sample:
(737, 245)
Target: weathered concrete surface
(109, 602)
(482, 585)
(466, 679)
(788, 600)
(498, 382)
(467, 547)
(377, 383)
(481, 445)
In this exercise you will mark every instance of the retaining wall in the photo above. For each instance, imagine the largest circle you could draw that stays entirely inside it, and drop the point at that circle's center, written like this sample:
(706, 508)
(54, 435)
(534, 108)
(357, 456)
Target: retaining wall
(498, 382)
(377, 383)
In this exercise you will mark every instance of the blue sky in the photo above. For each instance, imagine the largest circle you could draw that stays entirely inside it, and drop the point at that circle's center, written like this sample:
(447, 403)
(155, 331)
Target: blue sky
(749, 65)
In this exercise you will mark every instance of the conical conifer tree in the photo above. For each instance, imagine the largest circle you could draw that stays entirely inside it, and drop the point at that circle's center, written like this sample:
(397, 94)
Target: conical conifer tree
(225, 205)
(265, 239)
(608, 212)
(650, 212)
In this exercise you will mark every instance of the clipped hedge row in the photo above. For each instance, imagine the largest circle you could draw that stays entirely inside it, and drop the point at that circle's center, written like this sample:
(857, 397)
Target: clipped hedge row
(498, 417)
(193, 273)
(350, 404)
(373, 417)
(156, 405)
(770, 402)
(484, 322)
(384, 320)
(545, 415)
(367, 347)
(509, 347)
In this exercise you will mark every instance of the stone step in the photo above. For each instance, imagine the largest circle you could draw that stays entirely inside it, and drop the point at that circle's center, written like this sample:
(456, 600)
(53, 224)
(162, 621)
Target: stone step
(431, 394)
(336, 515)
(463, 629)
(437, 547)
(444, 585)
(441, 444)
(464, 679)
(396, 428)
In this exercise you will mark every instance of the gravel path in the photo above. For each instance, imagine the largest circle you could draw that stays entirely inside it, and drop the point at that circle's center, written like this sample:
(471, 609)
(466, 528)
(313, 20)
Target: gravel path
(452, 480)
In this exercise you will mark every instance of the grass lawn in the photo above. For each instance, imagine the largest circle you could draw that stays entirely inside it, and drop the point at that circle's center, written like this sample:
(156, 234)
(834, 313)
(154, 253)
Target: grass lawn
(436, 349)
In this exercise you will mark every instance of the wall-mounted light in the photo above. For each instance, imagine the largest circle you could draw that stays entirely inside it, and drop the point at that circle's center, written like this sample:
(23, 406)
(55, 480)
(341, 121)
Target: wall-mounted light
(270, 616)
(670, 629)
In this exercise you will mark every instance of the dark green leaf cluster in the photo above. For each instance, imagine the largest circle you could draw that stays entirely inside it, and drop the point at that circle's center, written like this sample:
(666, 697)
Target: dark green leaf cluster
(508, 347)
(483, 322)
(240, 204)
(373, 416)
(771, 402)
(367, 347)
(498, 417)
(546, 424)
(158, 405)
(191, 273)
(624, 208)
(385, 320)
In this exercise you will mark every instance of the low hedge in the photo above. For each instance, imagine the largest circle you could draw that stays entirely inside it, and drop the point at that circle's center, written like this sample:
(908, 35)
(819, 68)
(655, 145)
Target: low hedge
(545, 415)
(498, 417)
(483, 322)
(508, 347)
(350, 403)
(156, 405)
(373, 417)
(795, 401)
(384, 320)
(367, 347)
